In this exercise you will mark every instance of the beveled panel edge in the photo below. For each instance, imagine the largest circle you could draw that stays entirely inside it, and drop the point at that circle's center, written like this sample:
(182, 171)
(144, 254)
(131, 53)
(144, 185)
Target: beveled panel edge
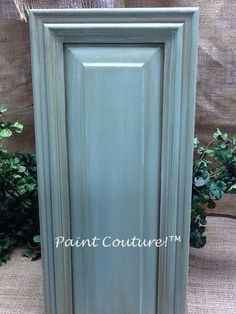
(134, 33)
(134, 59)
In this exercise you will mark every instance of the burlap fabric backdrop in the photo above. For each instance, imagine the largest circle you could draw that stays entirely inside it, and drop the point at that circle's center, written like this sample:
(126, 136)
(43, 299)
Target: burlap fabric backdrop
(216, 92)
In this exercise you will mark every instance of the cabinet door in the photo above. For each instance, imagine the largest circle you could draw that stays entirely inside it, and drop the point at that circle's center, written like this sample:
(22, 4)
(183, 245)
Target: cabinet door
(114, 108)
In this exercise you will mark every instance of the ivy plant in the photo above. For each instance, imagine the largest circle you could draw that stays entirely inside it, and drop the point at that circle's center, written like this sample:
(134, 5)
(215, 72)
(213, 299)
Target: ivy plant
(8, 127)
(214, 174)
(19, 221)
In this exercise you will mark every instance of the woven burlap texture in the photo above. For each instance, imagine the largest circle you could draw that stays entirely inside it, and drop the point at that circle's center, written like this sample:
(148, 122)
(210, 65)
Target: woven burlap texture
(212, 270)
(23, 6)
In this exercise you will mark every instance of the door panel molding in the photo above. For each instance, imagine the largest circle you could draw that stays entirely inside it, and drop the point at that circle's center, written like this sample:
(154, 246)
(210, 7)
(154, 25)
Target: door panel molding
(52, 32)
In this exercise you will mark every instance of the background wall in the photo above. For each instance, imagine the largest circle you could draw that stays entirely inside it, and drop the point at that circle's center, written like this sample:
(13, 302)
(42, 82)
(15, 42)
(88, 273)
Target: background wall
(15, 74)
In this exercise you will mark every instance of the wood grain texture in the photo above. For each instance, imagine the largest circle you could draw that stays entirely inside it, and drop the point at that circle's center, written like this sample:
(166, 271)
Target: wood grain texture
(176, 30)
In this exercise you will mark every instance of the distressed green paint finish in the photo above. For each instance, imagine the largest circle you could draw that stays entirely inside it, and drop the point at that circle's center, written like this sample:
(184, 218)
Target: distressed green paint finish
(114, 94)
(114, 139)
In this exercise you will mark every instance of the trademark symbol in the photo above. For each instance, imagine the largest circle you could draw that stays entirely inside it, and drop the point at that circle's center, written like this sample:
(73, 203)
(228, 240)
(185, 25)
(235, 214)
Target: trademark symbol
(175, 238)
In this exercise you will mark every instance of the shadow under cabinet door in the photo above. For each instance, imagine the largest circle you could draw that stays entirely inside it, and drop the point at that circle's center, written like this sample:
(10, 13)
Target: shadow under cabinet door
(114, 109)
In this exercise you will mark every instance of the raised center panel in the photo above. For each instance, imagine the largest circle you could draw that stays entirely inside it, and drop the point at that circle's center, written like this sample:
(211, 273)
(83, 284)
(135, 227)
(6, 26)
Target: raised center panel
(113, 111)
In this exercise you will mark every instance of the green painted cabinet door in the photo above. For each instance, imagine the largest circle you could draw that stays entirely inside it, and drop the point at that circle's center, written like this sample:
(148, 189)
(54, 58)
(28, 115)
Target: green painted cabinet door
(114, 108)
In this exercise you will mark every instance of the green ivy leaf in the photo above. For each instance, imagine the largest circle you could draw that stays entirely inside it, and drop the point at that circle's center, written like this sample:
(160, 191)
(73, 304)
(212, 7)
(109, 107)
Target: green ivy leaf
(198, 182)
(225, 136)
(36, 239)
(22, 169)
(217, 189)
(223, 145)
(210, 152)
(18, 127)
(218, 134)
(234, 139)
(2, 110)
(5, 133)
(27, 253)
(31, 186)
(196, 142)
(232, 189)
